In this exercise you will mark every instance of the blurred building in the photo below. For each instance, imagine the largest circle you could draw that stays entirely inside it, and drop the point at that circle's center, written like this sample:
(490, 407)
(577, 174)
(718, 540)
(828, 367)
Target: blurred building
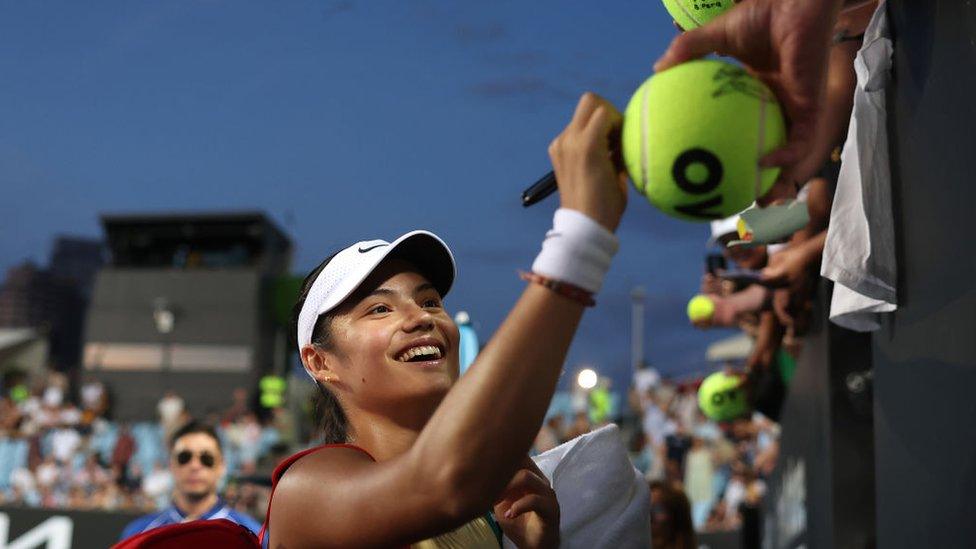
(23, 352)
(77, 261)
(33, 297)
(51, 301)
(27, 298)
(187, 303)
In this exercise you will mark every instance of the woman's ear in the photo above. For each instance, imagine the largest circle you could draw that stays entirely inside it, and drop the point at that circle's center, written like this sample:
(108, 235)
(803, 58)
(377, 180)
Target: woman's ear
(318, 362)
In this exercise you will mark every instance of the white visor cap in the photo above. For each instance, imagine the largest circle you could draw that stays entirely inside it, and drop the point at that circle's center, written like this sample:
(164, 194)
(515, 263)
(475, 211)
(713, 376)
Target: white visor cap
(350, 267)
(722, 227)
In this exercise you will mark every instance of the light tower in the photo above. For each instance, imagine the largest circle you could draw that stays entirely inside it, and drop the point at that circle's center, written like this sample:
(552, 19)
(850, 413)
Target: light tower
(637, 296)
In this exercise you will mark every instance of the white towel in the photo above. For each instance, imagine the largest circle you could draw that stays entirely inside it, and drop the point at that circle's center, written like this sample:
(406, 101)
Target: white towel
(604, 502)
(859, 255)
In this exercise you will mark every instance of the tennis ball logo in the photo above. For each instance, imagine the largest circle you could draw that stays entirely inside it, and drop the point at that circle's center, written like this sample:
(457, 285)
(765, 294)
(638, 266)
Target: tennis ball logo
(701, 308)
(693, 136)
(691, 14)
(722, 398)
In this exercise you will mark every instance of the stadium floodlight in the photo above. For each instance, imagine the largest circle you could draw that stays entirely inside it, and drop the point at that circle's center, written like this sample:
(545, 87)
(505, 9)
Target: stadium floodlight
(586, 379)
(163, 315)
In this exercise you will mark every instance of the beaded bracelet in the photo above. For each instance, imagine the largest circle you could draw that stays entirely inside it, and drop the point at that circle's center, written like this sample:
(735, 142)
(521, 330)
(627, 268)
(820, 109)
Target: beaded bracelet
(564, 289)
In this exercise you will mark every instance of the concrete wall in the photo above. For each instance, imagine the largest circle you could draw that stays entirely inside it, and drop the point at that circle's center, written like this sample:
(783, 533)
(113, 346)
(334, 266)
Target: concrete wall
(822, 491)
(925, 356)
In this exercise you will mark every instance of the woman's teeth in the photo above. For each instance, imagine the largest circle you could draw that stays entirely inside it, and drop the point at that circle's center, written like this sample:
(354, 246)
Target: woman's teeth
(425, 352)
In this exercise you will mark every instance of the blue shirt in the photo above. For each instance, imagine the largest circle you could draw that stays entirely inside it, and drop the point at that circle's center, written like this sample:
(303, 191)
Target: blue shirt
(172, 515)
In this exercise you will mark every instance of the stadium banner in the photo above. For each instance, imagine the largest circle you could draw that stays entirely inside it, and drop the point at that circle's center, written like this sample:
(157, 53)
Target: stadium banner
(27, 528)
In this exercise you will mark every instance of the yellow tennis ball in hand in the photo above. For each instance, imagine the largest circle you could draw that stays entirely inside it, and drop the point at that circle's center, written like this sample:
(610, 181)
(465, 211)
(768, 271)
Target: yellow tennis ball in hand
(691, 14)
(701, 308)
(721, 397)
(693, 136)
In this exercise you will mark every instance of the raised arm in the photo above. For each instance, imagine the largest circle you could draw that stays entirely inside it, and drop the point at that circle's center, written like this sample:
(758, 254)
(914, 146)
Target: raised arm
(473, 443)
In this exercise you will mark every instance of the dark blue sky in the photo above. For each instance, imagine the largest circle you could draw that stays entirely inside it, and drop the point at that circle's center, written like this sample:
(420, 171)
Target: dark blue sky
(343, 120)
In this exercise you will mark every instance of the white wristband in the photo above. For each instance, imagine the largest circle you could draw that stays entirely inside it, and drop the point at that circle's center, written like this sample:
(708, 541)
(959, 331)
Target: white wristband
(577, 250)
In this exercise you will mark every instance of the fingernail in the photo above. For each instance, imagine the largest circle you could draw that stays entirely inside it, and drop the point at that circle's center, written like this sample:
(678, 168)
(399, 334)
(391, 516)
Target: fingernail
(509, 514)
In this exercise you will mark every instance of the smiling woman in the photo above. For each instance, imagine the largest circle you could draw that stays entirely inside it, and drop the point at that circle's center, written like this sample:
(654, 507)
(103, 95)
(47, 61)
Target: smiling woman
(353, 329)
(414, 455)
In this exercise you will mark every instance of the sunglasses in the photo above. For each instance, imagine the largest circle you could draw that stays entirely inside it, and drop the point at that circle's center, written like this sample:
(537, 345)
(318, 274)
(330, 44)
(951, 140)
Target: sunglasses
(206, 458)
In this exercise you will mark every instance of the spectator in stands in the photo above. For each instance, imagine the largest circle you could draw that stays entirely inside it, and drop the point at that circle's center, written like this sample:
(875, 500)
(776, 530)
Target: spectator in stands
(64, 443)
(91, 476)
(57, 385)
(170, 409)
(132, 481)
(47, 473)
(657, 425)
(735, 490)
(25, 488)
(158, 484)
(247, 435)
(238, 407)
(69, 415)
(677, 445)
(94, 399)
(698, 481)
(550, 435)
(670, 518)
(579, 426)
(197, 464)
(125, 446)
(283, 422)
(10, 417)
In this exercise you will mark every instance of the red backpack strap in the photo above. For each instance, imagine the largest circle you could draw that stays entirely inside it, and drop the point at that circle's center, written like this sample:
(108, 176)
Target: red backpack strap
(280, 472)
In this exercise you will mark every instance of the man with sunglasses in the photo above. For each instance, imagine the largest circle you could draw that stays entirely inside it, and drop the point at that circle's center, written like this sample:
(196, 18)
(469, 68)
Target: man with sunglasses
(196, 463)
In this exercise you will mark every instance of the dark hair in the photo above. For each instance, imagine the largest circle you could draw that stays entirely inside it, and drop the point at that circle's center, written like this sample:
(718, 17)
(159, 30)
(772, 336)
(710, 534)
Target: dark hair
(332, 418)
(192, 427)
(679, 532)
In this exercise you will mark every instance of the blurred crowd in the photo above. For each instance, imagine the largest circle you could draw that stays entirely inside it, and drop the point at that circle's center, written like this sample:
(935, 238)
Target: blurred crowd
(704, 476)
(719, 467)
(59, 450)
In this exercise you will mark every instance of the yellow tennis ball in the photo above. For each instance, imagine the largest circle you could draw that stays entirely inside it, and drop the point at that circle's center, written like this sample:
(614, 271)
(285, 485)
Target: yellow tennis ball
(693, 136)
(721, 397)
(691, 14)
(701, 308)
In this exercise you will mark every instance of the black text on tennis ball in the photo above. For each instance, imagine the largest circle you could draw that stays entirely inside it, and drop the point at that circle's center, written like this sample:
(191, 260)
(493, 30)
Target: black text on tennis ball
(691, 14)
(693, 136)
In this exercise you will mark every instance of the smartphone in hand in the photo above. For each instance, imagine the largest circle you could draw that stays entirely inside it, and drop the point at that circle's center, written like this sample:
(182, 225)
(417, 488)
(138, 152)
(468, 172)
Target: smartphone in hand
(715, 264)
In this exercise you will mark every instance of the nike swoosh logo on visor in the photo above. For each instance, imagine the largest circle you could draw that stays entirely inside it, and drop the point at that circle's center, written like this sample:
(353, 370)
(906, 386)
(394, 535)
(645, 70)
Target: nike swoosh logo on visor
(364, 250)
